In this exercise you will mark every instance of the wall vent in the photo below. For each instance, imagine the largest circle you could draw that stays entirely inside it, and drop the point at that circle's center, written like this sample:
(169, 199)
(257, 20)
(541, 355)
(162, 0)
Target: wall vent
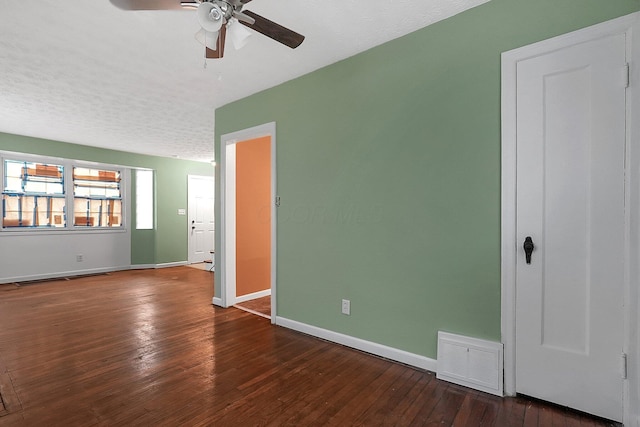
(470, 362)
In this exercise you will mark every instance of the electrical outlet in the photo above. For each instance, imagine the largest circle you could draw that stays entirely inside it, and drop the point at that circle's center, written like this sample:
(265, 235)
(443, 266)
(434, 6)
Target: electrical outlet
(79, 258)
(346, 307)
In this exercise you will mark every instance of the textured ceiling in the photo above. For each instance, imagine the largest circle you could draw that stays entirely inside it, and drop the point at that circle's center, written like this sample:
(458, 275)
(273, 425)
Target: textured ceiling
(85, 72)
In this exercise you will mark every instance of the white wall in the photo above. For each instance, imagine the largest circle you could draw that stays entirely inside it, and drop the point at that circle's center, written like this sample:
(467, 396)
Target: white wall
(31, 256)
(39, 254)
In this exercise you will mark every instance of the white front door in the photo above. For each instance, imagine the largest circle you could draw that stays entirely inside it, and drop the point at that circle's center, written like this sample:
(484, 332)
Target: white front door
(201, 222)
(570, 201)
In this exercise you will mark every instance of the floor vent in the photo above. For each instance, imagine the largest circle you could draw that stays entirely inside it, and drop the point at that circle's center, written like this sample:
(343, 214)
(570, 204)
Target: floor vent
(55, 279)
(470, 362)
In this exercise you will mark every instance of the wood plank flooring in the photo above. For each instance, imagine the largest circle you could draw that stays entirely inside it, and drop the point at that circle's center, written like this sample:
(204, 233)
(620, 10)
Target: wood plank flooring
(259, 306)
(147, 348)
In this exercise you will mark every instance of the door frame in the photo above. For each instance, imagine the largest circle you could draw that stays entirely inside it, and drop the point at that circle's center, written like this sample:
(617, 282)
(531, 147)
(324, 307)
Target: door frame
(630, 26)
(190, 178)
(226, 230)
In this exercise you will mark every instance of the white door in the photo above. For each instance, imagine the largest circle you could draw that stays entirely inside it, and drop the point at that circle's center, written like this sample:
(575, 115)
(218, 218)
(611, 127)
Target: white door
(201, 222)
(570, 201)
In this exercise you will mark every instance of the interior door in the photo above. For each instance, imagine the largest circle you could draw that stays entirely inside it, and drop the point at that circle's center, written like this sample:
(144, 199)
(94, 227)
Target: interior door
(201, 220)
(570, 202)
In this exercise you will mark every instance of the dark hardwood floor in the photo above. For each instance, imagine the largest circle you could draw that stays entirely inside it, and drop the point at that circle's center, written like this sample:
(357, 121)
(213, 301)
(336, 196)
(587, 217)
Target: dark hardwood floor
(147, 348)
(259, 306)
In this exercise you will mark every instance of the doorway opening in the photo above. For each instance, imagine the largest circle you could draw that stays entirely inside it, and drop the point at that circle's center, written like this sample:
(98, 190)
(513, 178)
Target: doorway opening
(201, 224)
(248, 218)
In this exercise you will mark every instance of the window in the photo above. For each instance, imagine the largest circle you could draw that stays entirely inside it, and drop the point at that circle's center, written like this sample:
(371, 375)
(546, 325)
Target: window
(144, 199)
(33, 195)
(97, 198)
(40, 193)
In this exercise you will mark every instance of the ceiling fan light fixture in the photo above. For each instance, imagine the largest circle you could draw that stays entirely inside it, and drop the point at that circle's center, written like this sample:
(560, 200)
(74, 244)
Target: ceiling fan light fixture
(238, 33)
(210, 17)
(208, 39)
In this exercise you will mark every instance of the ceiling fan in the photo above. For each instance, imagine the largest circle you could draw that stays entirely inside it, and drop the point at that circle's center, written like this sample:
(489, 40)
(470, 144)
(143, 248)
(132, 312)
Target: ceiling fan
(216, 17)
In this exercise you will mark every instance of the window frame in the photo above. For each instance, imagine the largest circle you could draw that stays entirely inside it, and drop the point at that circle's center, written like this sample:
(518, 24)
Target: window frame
(91, 198)
(28, 176)
(69, 196)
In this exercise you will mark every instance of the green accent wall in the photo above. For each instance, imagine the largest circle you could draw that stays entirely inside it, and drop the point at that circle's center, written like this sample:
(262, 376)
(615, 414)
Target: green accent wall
(167, 243)
(388, 169)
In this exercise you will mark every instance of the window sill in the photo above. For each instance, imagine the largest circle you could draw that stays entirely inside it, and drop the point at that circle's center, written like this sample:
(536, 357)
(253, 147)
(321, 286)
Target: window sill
(57, 231)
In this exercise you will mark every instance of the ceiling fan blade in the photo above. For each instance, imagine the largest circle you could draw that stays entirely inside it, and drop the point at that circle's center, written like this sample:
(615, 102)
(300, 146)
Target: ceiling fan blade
(276, 31)
(219, 52)
(242, 17)
(154, 4)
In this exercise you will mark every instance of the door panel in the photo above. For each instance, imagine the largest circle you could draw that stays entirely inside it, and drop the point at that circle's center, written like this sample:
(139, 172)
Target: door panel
(565, 259)
(201, 220)
(570, 200)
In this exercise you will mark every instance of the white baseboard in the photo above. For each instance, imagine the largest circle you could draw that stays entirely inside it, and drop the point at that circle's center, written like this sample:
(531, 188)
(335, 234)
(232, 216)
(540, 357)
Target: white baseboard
(163, 265)
(401, 356)
(57, 275)
(172, 264)
(142, 266)
(217, 301)
(254, 295)
(72, 273)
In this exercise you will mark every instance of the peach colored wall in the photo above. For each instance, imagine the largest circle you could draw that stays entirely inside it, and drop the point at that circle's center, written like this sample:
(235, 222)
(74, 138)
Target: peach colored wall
(253, 215)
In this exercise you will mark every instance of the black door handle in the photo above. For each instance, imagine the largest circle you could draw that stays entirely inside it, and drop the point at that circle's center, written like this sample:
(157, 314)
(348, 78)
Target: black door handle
(528, 248)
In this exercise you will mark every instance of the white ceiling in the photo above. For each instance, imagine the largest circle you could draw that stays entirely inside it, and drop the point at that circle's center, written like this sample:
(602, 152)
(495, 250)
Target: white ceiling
(85, 72)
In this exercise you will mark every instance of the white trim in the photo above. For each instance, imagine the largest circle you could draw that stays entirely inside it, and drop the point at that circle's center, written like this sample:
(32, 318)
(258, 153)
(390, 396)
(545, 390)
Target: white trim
(61, 275)
(509, 245)
(142, 266)
(252, 296)
(228, 223)
(632, 308)
(76, 162)
(217, 302)
(61, 231)
(172, 264)
(508, 249)
(225, 261)
(73, 273)
(163, 265)
(274, 220)
(391, 353)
